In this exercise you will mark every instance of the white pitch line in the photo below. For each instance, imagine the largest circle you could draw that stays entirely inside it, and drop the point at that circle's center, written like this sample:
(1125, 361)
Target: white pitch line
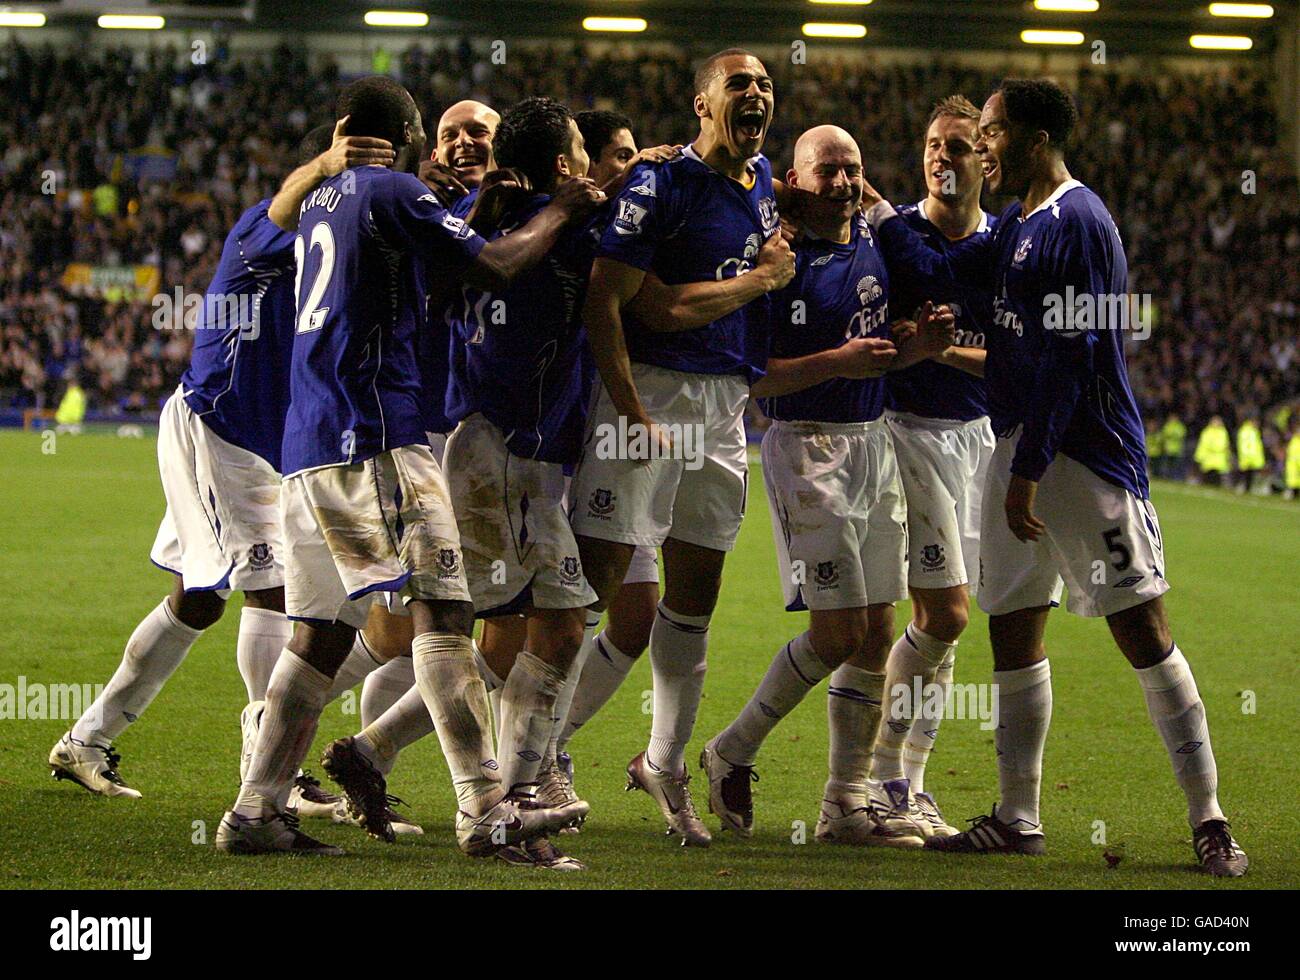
(1226, 498)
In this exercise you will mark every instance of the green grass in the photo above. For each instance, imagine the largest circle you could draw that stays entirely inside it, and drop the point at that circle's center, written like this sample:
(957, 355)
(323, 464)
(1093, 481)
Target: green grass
(75, 529)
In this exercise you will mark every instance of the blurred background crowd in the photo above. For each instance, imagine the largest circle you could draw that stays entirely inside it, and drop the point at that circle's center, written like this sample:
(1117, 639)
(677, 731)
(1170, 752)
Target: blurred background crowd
(143, 161)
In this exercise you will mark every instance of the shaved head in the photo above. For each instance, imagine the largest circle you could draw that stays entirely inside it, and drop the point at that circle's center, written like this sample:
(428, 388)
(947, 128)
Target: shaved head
(828, 164)
(822, 142)
(464, 140)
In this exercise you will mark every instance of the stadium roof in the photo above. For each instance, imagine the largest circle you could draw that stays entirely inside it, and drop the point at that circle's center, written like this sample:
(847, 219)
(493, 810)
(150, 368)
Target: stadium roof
(1126, 26)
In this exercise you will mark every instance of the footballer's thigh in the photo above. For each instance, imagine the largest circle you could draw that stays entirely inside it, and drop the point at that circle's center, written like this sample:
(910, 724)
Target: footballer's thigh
(935, 473)
(1015, 575)
(221, 530)
(1107, 540)
(520, 551)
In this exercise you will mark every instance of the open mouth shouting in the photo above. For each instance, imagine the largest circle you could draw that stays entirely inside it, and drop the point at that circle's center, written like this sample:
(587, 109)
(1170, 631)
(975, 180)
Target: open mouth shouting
(751, 121)
(463, 160)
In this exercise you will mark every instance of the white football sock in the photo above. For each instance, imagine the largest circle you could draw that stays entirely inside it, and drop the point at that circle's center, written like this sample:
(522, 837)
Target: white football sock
(493, 683)
(678, 659)
(454, 694)
(359, 664)
(527, 713)
(154, 651)
(604, 668)
(564, 702)
(1179, 715)
(405, 722)
(1025, 712)
(925, 730)
(853, 712)
(385, 687)
(915, 654)
(295, 697)
(794, 671)
(263, 633)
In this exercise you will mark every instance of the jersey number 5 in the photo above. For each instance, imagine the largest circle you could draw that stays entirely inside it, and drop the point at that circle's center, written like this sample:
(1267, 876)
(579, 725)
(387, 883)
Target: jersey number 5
(309, 317)
(1123, 557)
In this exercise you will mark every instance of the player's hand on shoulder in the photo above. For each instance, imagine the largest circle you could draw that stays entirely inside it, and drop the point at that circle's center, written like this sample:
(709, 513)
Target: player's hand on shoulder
(1020, 509)
(655, 154)
(578, 197)
(442, 180)
(866, 357)
(346, 152)
(776, 262)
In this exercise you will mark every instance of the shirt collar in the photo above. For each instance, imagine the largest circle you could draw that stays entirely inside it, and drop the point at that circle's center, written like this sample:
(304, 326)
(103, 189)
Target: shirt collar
(1056, 195)
(984, 218)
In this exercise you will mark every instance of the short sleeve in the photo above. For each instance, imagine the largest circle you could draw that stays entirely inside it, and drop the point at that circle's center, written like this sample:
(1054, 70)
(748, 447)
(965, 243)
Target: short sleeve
(408, 216)
(638, 218)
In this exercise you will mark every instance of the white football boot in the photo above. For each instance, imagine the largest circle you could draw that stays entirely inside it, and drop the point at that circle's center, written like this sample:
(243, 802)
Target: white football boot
(93, 767)
(892, 806)
(929, 812)
(555, 790)
(309, 799)
(849, 819)
(673, 795)
(509, 822)
(275, 833)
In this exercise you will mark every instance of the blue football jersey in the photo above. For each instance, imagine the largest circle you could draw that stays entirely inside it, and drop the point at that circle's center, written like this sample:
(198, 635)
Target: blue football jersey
(839, 292)
(355, 382)
(1061, 379)
(689, 223)
(433, 340)
(518, 356)
(928, 388)
(238, 378)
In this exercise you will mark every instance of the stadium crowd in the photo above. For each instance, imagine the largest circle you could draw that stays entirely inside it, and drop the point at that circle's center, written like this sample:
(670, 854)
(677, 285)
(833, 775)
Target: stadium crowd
(117, 160)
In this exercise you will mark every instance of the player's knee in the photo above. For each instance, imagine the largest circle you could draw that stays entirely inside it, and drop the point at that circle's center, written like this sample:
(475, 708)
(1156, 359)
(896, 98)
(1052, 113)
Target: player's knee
(272, 599)
(841, 641)
(944, 620)
(197, 610)
(447, 617)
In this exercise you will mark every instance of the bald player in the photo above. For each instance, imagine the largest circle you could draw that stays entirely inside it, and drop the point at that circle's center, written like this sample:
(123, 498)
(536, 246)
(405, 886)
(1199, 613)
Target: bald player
(836, 502)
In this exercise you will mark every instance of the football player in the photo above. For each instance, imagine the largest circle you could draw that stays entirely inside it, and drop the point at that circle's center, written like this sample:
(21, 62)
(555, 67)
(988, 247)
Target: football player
(836, 504)
(695, 381)
(937, 411)
(364, 504)
(1067, 490)
(219, 459)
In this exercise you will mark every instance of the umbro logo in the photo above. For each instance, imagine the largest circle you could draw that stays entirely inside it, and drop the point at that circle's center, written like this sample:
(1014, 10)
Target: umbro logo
(1128, 582)
(1187, 748)
(528, 755)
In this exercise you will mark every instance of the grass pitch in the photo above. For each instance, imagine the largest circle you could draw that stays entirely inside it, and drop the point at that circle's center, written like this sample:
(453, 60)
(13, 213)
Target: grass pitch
(75, 529)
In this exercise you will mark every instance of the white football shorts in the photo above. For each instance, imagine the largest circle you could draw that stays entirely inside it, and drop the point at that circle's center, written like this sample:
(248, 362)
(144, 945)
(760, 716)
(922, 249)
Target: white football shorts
(837, 513)
(221, 530)
(1102, 542)
(514, 528)
(942, 464)
(698, 495)
(385, 525)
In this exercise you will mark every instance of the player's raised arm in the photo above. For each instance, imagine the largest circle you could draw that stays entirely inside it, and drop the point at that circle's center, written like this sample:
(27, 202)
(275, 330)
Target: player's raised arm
(688, 306)
(907, 254)
(344, 153)
(612, 286)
